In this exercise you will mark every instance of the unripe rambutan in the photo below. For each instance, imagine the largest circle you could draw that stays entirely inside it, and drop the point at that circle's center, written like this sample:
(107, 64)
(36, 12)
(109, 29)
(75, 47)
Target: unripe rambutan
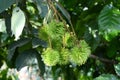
(64, 57)
(50, 57)
(80, 53)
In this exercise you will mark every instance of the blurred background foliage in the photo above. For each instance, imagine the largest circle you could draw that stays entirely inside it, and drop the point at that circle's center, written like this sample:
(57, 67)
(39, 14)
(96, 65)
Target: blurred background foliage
(29, 29)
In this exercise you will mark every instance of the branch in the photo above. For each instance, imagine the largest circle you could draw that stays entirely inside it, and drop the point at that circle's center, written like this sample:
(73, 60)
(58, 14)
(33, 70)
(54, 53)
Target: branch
(103, 59)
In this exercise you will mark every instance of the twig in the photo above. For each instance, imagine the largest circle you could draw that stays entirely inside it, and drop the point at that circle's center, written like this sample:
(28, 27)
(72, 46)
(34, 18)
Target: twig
(57, 14)
(103, 59)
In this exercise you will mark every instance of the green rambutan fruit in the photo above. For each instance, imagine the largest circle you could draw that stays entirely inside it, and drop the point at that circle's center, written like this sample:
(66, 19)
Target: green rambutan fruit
(50, 57)
(43, 33)
(64, 56)
(69, 40)
(80, 53)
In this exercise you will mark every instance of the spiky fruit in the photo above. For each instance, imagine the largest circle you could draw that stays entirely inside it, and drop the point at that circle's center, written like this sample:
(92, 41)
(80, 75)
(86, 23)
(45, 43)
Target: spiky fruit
(69, 40)
(64, 57)
(80, 53)
(50, 57)
(55, 30)
(43, 33)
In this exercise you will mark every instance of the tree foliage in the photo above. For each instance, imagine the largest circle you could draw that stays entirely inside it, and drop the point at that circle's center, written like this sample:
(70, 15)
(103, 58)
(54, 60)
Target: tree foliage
(60, 39)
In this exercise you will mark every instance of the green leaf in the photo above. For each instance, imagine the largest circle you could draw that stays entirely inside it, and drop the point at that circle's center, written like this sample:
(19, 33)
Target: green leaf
(64, 12)
(26, 58)
(113, 47)
(48, 17)
(14, 45)
(24, 47)
(2, 26)
(17, 22)
(36, 42)
(8, 23)
(30, 58)
(41, 64)
(4, 4)
(92, 39)
(42, 7)
(117, 69)
(106, 77)
(109, 22)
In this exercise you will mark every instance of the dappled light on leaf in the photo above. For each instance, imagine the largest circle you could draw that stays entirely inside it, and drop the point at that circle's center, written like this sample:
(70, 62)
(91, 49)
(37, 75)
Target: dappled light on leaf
(109, 20)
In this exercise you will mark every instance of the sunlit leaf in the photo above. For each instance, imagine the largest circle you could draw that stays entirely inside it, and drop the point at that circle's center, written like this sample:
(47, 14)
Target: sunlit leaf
(2, 26)
(18, 22)
(117, 69)
(106, 77)
(109, 22)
